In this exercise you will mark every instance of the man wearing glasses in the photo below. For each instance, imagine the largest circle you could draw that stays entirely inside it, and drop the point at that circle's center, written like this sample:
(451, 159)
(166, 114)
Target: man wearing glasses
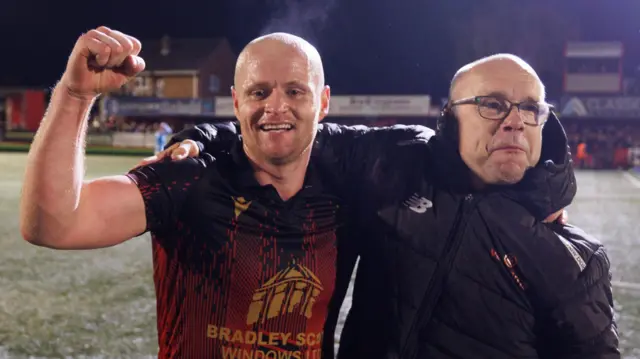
(456, 261)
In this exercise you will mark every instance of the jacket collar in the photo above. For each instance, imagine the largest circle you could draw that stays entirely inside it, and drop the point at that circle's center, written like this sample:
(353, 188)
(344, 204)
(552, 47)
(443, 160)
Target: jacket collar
(545, 189)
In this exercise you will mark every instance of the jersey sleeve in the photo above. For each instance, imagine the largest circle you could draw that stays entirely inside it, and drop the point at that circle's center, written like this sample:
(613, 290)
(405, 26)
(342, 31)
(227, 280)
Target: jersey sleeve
(165, 187)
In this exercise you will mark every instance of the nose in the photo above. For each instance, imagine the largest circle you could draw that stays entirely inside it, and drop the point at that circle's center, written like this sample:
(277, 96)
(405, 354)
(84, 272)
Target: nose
(513, 122)
(276, 102)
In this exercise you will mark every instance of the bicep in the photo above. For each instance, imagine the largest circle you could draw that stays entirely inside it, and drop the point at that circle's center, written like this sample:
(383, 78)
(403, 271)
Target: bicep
(148, 198)
(111, 210)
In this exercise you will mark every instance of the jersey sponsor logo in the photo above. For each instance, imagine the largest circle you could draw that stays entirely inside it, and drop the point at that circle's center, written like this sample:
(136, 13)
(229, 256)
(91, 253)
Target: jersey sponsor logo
(267, 343)
(240, 205)
(293, 290)
(418, 204)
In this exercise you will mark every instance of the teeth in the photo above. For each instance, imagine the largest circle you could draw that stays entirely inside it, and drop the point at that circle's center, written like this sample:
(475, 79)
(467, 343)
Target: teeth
(284, 126)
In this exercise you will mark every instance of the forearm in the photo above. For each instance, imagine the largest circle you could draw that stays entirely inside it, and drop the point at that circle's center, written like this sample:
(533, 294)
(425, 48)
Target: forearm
(55, 168)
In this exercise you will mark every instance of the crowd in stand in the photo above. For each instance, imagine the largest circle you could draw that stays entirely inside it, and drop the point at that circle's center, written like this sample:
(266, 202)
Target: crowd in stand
(123, 124)
(603, 147)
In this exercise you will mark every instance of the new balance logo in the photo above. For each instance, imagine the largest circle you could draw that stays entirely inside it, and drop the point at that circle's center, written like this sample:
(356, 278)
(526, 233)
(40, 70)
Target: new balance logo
(418, 204)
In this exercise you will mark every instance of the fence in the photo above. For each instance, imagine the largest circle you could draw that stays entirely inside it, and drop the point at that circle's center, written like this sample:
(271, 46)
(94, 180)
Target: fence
(133, 139)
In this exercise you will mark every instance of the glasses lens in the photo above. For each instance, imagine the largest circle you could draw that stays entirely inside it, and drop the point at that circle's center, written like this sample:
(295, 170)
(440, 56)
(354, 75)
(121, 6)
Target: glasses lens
(534, 113)
(492, 108)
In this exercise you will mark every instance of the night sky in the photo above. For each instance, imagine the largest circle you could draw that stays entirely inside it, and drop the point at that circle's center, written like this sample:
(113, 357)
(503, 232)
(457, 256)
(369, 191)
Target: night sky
(369, 47)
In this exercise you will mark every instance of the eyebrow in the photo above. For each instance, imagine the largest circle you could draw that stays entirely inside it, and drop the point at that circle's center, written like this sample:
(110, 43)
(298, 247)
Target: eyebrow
(503, 95)
(267, 84)
(297, 83)
(261, 84)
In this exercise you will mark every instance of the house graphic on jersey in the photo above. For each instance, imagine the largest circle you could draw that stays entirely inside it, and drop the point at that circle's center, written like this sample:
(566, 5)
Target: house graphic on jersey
(292, 290)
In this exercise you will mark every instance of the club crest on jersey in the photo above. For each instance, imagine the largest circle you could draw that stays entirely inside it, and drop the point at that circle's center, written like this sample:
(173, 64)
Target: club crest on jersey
(240, 205)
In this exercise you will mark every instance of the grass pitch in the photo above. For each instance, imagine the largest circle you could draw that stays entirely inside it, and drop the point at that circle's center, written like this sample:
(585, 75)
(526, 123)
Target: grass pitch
(59, 304)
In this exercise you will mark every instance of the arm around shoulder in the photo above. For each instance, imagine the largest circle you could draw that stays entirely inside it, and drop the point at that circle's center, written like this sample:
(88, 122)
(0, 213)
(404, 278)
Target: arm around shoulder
(353, 150)
(210, 138)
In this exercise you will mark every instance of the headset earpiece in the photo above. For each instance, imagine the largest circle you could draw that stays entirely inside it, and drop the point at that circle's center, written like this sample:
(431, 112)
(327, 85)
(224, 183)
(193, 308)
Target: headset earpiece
(447, 124)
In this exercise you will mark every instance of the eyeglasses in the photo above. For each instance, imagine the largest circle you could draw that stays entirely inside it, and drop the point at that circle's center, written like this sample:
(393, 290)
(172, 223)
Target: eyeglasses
(496, 108)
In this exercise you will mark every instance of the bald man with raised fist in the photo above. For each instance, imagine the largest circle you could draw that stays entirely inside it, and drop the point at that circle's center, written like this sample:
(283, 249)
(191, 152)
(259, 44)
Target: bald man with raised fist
(226, 236)
(58, 208)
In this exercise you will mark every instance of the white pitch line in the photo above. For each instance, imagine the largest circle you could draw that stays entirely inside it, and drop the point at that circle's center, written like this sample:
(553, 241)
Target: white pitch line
(611, 197)
(633, 179)
(626, 285)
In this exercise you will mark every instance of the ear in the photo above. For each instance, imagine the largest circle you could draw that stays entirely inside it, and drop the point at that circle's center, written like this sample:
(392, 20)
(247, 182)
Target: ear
(234, 97)
(325, 99)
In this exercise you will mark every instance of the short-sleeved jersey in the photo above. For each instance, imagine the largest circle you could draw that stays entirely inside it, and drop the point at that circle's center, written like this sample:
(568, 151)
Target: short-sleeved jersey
(239, 273)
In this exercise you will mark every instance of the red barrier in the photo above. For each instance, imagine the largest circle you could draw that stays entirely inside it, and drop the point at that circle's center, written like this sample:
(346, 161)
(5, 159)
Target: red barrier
(34, 108)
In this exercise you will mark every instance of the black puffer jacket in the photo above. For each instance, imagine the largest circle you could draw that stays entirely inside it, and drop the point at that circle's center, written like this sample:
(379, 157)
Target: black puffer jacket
(446, 272)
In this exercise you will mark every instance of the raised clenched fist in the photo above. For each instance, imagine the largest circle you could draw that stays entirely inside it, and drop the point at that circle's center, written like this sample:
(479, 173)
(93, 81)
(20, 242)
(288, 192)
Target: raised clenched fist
(101, 61)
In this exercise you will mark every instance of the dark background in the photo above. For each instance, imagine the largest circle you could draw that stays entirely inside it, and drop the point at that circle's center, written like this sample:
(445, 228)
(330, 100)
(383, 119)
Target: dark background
(369, 47)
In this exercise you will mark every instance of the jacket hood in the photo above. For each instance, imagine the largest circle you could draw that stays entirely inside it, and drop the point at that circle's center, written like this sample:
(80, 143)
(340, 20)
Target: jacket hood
(551, 185)
(545, 189)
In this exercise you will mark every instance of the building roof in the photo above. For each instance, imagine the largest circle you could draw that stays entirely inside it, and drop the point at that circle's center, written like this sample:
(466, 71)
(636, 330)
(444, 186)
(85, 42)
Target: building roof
(179, 54)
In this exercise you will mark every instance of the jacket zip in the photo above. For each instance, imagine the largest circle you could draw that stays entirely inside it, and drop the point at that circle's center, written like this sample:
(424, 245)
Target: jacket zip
(454, 239)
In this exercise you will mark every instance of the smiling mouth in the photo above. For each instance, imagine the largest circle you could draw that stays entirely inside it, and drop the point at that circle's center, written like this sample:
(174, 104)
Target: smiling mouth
(271, 127)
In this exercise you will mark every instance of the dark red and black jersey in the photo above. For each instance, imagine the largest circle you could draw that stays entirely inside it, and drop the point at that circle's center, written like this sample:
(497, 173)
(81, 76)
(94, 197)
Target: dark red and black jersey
(239, 273)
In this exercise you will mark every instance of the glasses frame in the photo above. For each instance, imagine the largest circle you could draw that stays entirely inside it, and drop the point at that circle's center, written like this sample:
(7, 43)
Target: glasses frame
(477, 99)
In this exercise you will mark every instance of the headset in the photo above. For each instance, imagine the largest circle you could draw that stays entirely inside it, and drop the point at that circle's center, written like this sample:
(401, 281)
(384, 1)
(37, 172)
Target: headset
(447, 124)
(552, 133)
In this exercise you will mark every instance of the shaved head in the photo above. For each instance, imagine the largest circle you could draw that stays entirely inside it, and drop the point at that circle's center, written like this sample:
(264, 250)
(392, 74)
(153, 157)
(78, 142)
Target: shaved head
(280, 42)
(490, 63)
(279, 97)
